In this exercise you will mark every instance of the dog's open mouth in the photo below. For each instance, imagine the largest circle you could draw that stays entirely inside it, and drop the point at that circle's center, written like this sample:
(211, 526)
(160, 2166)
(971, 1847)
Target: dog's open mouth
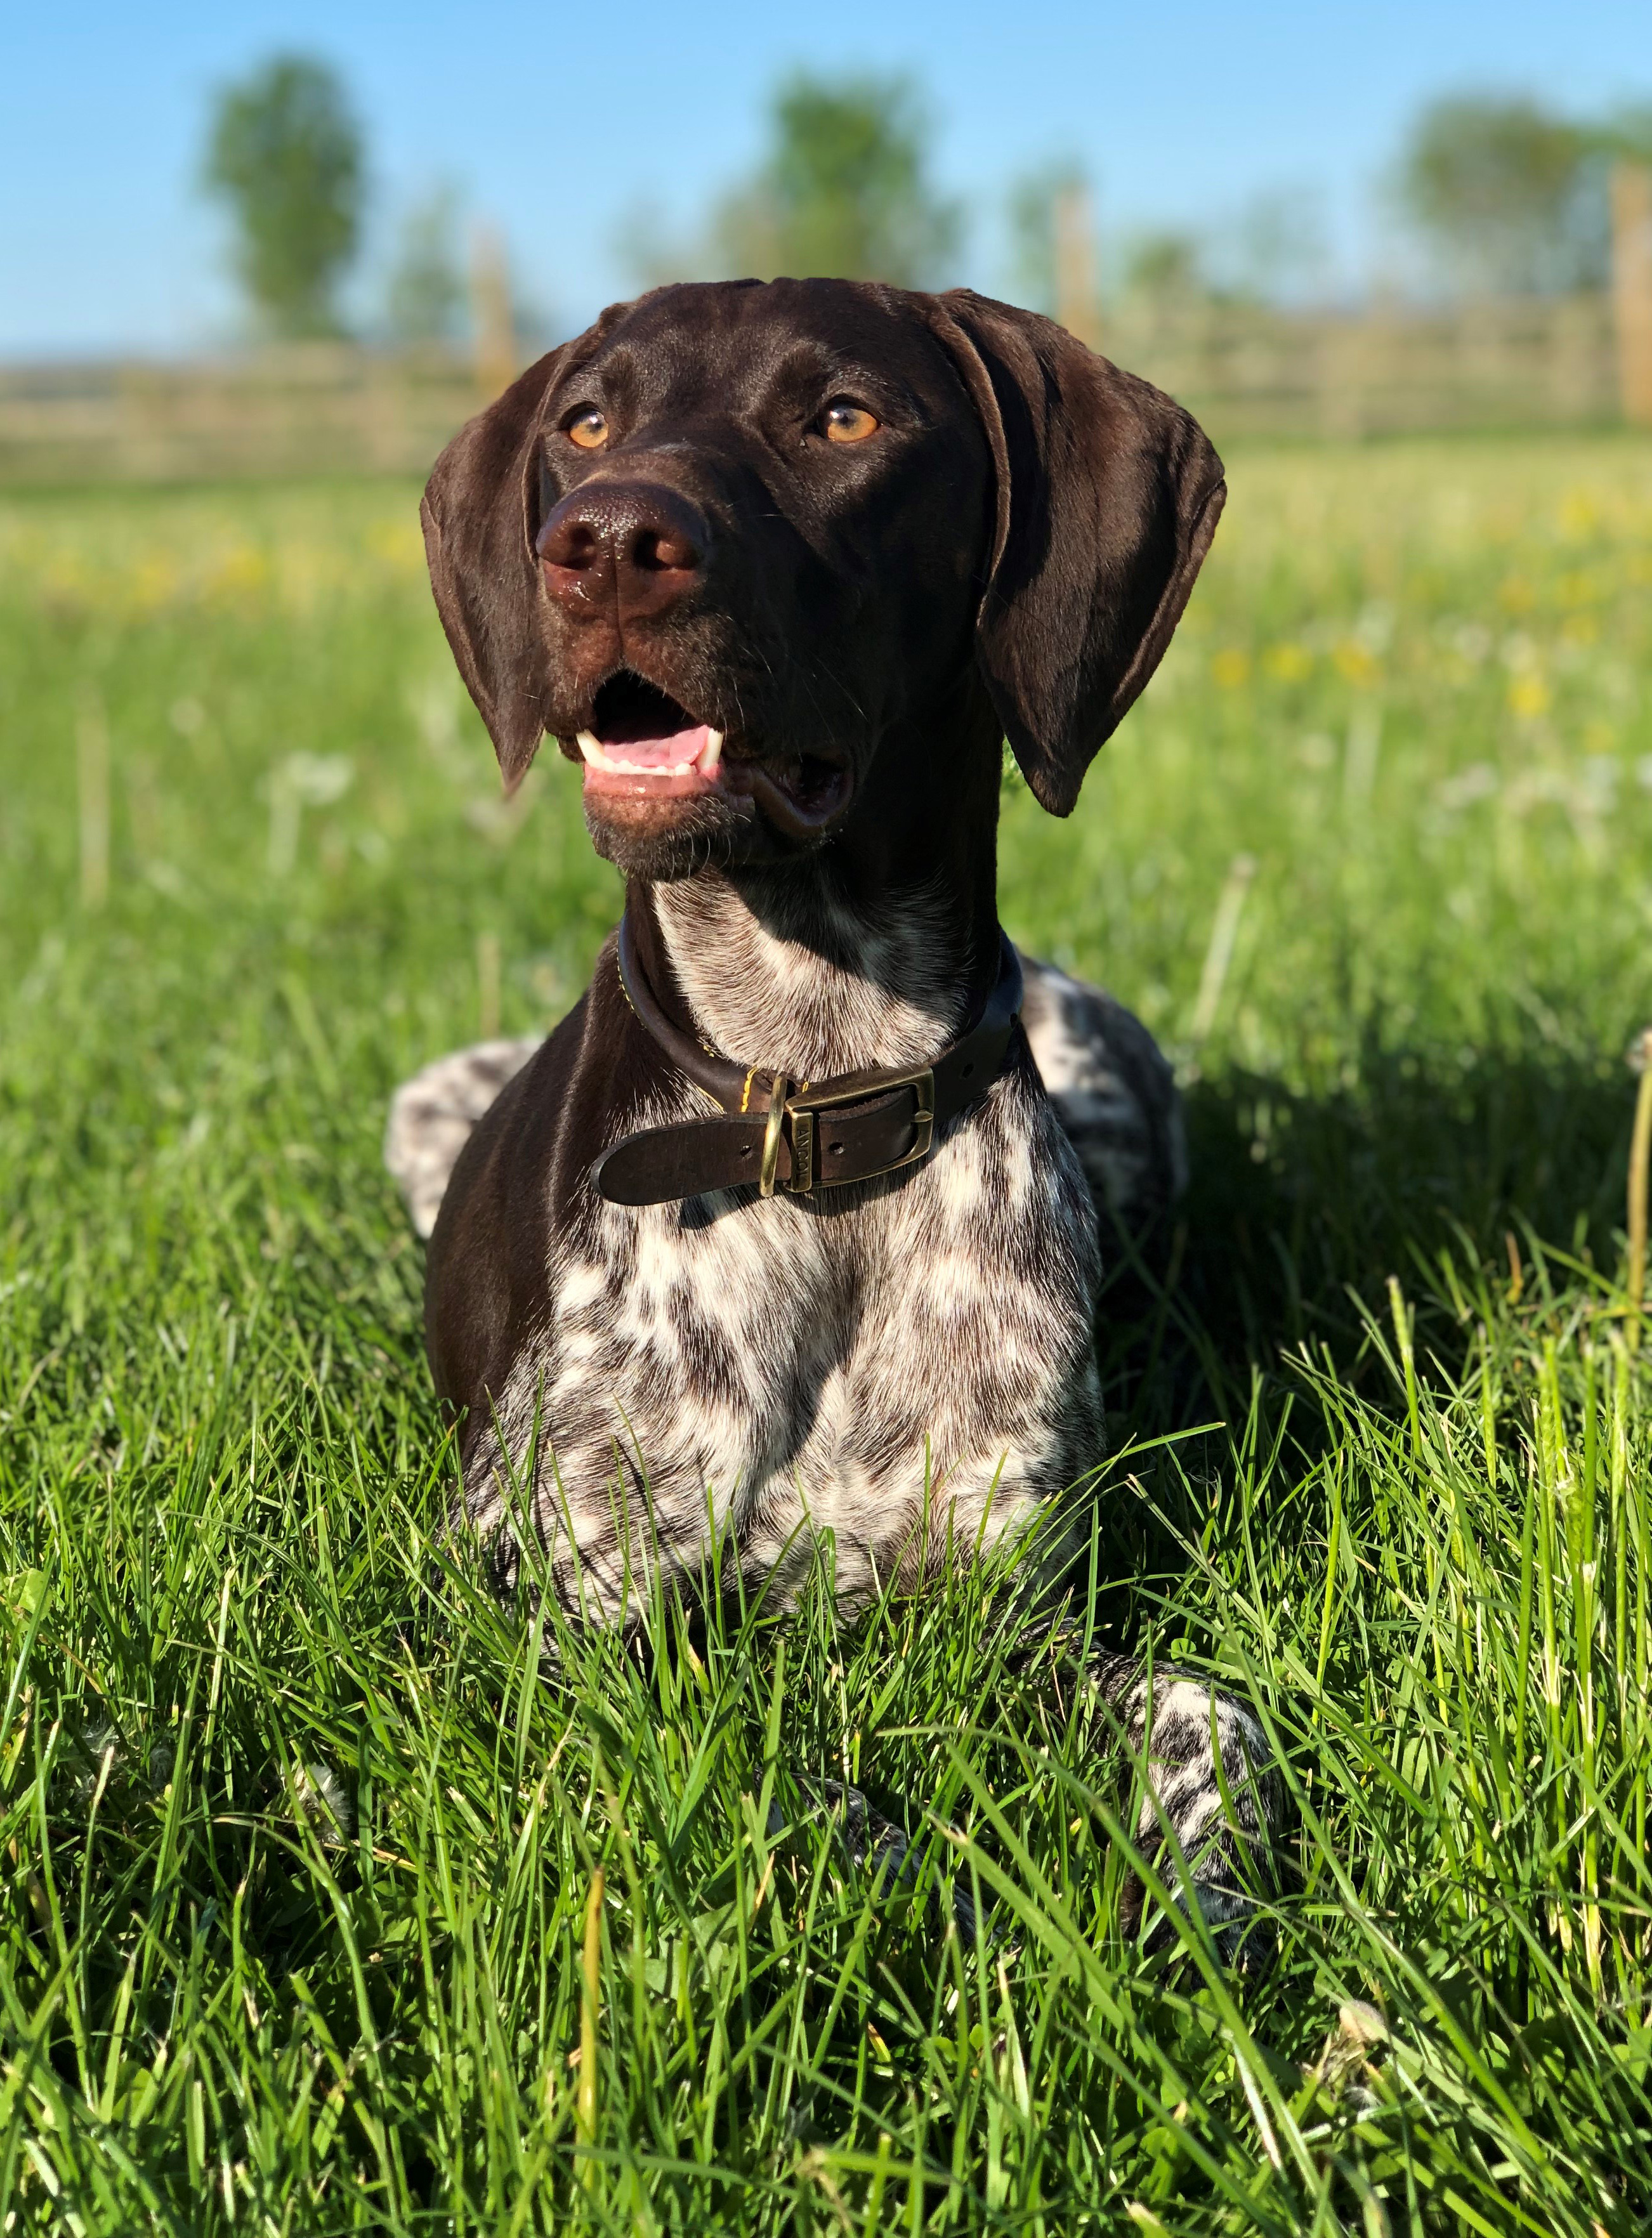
(642, 740)
(643, 745)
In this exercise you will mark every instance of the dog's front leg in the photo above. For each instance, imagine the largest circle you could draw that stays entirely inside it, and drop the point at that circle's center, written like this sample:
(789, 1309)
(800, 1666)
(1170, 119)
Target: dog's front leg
(1211, 1793)
(1211, 1801)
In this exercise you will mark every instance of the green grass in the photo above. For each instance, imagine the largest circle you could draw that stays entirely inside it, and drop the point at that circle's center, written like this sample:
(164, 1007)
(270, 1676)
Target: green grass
(1375, 858)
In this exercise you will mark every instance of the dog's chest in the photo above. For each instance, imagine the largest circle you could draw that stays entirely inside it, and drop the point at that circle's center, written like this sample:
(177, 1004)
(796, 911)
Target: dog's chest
(920, 1356)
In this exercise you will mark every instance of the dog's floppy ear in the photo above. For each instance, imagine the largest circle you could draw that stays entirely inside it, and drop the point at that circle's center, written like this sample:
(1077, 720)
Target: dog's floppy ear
(480, 512)
(1108, 496)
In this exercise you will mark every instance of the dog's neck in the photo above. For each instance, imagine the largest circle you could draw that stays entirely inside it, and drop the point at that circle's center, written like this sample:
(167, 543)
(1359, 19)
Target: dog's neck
(785, 970)
(876, 950)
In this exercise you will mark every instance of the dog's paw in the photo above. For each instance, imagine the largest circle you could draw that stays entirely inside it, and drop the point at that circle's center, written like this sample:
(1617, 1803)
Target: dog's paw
(1241, 1930)
(1239, 1927)
(1243, 1934)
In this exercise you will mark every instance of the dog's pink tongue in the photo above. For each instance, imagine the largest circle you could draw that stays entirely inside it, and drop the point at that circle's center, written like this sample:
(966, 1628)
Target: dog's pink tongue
(655, 752)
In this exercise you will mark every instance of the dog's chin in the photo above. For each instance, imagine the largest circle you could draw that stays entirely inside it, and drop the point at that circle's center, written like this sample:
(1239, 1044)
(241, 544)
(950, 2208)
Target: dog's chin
(662, 840)
(670, 827)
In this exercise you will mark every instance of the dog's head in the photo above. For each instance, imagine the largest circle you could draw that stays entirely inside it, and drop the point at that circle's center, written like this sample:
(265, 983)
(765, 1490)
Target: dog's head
(727, 540)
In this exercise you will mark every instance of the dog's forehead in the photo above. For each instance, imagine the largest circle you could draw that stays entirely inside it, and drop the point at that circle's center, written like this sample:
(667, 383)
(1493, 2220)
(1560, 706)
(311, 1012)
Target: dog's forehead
(727, 337)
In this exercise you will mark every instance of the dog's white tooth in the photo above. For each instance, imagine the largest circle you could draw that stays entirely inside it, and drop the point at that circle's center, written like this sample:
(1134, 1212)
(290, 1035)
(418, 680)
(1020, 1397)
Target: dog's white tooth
(710, 753)
(595, 753)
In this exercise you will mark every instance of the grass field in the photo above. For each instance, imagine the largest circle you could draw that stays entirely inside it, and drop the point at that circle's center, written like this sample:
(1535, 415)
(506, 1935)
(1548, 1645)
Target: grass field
(297, 1839)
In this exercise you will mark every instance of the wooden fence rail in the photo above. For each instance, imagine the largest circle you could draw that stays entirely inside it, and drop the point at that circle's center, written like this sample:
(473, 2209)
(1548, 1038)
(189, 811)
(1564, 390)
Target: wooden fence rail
(334, 409)
(317, 408)
(1524, 363)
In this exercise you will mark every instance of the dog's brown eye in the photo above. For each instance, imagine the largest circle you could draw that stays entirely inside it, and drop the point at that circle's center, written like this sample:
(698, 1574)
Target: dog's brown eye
(847, 423)
(589, 431)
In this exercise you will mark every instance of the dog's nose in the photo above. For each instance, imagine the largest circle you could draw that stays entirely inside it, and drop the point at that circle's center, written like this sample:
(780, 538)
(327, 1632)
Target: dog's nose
(640, 540)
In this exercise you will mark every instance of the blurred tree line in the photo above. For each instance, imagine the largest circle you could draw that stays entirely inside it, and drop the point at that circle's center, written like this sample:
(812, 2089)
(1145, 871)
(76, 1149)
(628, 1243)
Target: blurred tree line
(1504, 195)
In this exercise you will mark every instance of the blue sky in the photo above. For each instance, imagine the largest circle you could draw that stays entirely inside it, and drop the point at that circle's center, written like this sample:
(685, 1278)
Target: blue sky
(554, 120)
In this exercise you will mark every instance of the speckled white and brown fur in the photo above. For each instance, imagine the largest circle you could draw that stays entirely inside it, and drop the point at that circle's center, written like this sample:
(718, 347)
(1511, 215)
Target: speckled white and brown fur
(908, 1365)
(898, 1364)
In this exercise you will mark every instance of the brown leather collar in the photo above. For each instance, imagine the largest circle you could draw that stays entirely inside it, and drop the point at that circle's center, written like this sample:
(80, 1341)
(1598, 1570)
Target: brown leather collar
(799, 1136)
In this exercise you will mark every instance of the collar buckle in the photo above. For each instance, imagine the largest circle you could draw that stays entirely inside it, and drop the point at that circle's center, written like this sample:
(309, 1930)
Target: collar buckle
(800, 1111)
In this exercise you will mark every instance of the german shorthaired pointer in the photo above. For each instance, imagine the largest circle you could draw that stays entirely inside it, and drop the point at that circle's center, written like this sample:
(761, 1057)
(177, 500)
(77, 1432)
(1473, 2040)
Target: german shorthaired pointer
(781, 1217)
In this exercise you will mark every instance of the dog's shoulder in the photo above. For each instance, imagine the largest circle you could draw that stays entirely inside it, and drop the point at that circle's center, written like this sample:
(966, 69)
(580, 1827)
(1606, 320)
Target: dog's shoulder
(513, 1185)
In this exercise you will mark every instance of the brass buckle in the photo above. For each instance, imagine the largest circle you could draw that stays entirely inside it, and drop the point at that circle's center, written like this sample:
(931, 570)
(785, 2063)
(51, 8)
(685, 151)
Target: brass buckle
(803, 1109)
(771, 1158)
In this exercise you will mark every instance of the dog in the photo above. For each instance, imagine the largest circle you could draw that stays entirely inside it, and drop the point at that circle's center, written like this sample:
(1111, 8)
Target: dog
(781, 1231)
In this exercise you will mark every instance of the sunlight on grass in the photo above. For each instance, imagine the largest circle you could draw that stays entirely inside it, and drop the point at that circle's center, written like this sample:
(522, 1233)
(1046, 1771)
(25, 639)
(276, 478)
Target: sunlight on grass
(336, 1895)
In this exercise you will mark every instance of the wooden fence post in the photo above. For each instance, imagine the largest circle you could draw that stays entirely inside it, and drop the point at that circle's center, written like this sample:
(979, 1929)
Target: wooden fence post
(496, 365)
(1076, 306)
(1632, 287)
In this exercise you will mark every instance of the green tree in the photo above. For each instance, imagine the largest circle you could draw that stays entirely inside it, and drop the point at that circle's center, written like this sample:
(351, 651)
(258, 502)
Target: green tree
(1511, 197)
(1165, 267)
(1276, 251)
(845, 192)
(285, 157)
